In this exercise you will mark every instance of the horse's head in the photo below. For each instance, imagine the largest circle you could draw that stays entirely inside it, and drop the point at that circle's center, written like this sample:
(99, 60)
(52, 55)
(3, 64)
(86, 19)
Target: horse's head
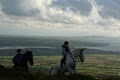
(78, 53)
(81, 54)
(29, 56)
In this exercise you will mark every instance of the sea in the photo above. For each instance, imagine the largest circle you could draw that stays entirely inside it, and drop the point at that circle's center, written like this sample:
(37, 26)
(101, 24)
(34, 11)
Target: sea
(51, 45)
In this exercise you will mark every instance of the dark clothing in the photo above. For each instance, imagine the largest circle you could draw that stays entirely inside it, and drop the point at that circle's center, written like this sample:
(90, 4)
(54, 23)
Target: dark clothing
(65, 51)
(17, 58)
(63, 61)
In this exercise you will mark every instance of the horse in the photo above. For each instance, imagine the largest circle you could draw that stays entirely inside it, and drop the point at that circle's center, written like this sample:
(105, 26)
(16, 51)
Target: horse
(23, 66)
(70, 65)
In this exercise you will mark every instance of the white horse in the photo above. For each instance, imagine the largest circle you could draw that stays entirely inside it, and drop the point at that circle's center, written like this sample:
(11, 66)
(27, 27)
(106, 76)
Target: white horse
(71, 60)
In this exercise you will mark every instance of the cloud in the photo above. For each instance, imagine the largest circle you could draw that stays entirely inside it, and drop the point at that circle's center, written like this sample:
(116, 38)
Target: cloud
(40, 10)
(71, 16)
(111, 8)
(78, 6)
(19, 7)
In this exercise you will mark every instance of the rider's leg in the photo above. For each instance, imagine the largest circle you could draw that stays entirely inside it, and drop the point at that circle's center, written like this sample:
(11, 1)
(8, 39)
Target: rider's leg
(63, 61)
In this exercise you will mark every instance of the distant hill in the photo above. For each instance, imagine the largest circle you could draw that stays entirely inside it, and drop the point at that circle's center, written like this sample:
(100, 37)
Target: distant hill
(51, 45)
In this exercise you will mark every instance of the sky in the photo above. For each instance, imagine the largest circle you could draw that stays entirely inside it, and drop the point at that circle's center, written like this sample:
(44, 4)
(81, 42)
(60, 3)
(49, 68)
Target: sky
(60, 17)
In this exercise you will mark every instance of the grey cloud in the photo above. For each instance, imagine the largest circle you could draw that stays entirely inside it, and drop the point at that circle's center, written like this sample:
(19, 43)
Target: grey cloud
(78, 6)
(15, 7)
(49, 13)
(111, 8)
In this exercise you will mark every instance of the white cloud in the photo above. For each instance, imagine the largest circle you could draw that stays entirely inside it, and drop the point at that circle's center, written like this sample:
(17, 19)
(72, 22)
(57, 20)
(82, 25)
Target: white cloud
(71, 17)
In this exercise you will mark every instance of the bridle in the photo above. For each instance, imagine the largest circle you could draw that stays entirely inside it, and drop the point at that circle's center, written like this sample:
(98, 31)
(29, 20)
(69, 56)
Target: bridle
(77, 57)
(80, 56)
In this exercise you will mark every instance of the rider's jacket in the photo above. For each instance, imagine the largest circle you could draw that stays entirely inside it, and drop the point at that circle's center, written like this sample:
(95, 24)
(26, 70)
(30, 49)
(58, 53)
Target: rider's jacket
(16, 59)
(65, 50)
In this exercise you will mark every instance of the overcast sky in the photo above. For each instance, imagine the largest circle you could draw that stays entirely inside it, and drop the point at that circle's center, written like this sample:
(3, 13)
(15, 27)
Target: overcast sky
(60, 17)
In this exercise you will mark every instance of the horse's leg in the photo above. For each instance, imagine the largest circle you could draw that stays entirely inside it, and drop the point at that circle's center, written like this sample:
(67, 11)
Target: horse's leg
(74, 71)
(54, 71)
(27, 68)
(69, 69)
(50, 71)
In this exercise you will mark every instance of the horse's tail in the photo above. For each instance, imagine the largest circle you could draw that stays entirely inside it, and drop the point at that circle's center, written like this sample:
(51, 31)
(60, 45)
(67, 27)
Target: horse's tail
(50, 70)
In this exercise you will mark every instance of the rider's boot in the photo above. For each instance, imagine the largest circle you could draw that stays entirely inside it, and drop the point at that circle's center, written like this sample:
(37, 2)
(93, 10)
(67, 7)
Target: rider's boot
(61, 65)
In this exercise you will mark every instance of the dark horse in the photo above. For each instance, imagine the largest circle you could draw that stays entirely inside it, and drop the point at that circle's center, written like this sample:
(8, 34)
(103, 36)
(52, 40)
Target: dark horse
(23, 66)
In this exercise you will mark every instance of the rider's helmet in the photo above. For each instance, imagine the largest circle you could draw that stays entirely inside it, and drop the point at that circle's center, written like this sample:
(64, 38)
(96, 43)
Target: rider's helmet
(66, 42)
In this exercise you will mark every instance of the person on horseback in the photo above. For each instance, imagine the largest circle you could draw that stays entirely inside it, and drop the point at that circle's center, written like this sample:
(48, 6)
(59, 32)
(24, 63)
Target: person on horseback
(65, 51)
(17, 58)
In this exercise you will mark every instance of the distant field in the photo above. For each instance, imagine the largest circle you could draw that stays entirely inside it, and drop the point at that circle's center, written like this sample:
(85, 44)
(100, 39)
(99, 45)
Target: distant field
(95, 64)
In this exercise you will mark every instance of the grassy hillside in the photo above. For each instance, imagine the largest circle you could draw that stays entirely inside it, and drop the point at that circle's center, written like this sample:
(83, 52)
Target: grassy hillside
(8, 74)
(96, 66)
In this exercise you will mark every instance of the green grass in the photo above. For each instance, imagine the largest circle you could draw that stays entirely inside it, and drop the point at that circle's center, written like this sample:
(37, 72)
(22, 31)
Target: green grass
(9, 74)
(97, 65)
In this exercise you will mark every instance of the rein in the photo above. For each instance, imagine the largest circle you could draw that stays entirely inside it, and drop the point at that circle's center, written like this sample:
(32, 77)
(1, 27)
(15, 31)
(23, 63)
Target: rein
(74, 56)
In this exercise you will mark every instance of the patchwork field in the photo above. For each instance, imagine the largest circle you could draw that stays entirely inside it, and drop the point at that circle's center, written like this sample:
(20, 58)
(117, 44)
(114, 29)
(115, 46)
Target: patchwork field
(97, 65)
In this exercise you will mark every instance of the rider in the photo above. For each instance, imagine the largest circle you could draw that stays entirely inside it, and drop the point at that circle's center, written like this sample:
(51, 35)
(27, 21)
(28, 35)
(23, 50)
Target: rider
(17, 58)
(65, 51)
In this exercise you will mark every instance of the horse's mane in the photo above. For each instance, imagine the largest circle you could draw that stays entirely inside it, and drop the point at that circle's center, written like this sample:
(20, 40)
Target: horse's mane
(28, 52)
(73, 50)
